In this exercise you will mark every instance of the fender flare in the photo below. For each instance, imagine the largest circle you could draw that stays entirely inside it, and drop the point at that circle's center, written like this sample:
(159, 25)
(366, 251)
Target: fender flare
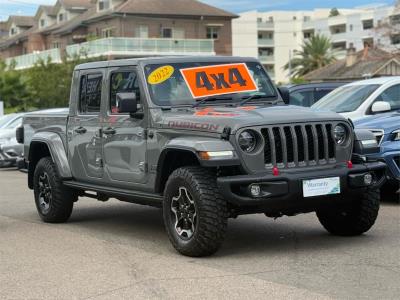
(55, 145)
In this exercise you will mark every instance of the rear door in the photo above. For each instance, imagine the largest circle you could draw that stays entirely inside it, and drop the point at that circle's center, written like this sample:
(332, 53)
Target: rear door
(84, 128)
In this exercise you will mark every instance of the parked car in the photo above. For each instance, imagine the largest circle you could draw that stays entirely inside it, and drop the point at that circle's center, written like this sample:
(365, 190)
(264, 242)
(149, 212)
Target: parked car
(206, 139)
(310, 93)
(10, 150)
(363, 98)
(386, 129)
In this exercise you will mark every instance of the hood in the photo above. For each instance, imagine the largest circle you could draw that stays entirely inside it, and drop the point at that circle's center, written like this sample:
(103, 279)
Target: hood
(216, 118)
(7, 133)
(388, 122)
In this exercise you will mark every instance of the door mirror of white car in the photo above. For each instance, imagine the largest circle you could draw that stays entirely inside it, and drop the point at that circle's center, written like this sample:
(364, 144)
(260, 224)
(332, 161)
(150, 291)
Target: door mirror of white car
(380, 106)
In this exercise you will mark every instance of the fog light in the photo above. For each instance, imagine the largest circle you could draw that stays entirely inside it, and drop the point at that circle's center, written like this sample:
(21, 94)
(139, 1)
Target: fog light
(368, 179)
(255, 190)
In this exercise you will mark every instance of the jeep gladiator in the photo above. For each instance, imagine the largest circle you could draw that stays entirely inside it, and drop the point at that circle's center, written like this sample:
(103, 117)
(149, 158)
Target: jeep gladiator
(205, 139)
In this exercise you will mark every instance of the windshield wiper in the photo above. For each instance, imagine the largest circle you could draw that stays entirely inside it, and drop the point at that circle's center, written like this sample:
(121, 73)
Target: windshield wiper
(206, 99)
(258, 96)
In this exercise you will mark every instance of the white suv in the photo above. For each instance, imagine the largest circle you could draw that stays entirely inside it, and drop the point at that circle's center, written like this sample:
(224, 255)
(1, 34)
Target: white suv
(362, 98)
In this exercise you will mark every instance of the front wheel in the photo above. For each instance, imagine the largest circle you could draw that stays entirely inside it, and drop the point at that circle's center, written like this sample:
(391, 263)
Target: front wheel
(353, 220)
(195, 214)
(54, 201)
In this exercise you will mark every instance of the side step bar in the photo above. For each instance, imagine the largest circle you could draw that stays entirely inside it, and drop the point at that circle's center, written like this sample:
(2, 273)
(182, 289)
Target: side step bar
(121, 194)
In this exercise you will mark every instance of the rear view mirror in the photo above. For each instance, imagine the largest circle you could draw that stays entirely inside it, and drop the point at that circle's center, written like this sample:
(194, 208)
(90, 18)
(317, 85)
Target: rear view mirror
(127, 103)
(380, 106)
(285, 94)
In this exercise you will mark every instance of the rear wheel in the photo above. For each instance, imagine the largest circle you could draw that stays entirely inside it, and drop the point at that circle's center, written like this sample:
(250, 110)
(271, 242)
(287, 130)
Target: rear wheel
(353, 220)
(195, 214)
(54, 201)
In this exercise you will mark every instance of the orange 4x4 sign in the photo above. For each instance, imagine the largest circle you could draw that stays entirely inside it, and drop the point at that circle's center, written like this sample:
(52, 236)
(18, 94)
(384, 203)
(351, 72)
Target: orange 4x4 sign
(219, 80)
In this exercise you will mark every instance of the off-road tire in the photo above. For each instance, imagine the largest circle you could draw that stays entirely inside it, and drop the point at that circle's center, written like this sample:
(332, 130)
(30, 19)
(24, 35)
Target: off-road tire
(354, 220)
(211, 211)
(62, 198)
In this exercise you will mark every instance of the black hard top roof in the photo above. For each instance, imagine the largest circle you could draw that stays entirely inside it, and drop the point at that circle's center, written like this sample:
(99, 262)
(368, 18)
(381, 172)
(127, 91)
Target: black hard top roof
(163, 60)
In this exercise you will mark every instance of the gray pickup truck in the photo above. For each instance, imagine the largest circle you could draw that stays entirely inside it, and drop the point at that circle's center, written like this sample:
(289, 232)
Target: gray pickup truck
(205, 139)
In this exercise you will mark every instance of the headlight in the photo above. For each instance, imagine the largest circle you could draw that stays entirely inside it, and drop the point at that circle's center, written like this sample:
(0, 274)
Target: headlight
(396, 135)
(248, 141)
(340, 134)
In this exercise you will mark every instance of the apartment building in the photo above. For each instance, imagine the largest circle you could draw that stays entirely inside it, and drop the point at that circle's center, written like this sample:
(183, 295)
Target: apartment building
(120, 28)
(274, 36)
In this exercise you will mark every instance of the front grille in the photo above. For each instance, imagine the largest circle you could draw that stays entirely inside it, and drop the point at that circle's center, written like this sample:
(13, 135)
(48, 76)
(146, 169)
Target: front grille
(298, 145)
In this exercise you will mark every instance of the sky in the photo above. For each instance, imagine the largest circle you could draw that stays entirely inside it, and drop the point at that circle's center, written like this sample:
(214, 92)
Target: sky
(28, 7)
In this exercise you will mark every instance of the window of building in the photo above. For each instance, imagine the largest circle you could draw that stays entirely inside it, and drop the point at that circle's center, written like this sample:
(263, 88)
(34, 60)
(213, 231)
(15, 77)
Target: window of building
(308, 34)
(60, 17)
(351, 27)
(56, 45)
(123, 82)
(90, 93)
(13, 31)
(259, 20)
(271, 19)
(395, 19)
(166, 33)
(307, 18)
(213, 33)
(104, 4)
(294, 34)
(108, 32)
(395, 39)
(142, 31)
(42, 23)
(368, 24)
(294, 18)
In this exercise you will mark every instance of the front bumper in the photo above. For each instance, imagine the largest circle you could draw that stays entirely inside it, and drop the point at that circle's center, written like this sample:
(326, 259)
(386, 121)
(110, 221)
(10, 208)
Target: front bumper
(392, 160)
(285, 192)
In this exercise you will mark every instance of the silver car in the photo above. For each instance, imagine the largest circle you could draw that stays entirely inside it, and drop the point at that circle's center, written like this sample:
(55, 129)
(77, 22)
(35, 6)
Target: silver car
(10, 150)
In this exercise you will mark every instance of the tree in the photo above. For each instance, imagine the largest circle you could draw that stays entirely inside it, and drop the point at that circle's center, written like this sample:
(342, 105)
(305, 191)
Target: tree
(334, 12)
(315, 53)
(13, 90)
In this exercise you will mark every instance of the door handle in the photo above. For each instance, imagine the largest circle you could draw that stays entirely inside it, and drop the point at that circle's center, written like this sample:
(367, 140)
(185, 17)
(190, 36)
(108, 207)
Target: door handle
(80, 130)
(109, 131)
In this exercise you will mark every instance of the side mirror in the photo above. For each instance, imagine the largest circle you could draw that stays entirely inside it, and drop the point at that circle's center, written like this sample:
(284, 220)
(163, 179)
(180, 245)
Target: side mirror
(285, 94)
(380, 106)
(127, 103)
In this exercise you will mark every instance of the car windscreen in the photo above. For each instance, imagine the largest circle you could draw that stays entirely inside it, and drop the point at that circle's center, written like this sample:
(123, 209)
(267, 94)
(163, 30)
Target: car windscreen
(346, 98)
(4, 120)
(189, 83)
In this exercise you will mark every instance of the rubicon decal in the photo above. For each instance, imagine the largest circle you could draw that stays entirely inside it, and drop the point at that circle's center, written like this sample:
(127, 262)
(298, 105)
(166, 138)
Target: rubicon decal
(193, 125)
(219, 80)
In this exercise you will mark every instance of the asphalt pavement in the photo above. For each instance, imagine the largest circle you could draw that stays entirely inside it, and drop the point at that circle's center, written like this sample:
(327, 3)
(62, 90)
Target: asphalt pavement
(118, 250)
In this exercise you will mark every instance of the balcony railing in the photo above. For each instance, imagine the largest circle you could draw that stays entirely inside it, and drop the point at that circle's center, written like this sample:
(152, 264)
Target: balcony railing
(265, 25)
(29, 60)
(266, 42)
(142, 47)
(266, 58)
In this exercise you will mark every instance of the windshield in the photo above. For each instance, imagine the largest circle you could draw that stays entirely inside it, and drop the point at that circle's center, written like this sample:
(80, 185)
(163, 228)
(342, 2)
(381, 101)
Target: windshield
(5, 119)
(190, 83)
(346, 98)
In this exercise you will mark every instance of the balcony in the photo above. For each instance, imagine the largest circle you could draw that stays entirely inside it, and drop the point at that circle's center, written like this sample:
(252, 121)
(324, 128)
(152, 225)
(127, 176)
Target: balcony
(265, 25)
(265, 59)
(266, 42)
(29, 60)
(338, 37)
(142, 47)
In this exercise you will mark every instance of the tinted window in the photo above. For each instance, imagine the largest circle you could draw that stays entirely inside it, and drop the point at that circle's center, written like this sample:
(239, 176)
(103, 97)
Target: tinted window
(392, 96)
(90, 93)
(14, 124)
(123, 82)
(320, 93)
(302, 98)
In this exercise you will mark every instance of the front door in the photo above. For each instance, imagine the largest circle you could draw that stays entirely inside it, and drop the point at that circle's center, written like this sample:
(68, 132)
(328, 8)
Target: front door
(124, 137)
(85, 140)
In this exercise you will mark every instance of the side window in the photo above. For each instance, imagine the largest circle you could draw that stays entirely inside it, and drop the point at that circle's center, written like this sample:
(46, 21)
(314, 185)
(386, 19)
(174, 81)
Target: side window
(90, 93)
(302, 98)
(392, 96)
(14, 124)
(123, 82)
(320, 93)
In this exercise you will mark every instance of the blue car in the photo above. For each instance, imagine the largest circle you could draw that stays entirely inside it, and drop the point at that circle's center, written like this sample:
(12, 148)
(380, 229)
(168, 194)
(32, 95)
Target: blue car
(387, 132)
